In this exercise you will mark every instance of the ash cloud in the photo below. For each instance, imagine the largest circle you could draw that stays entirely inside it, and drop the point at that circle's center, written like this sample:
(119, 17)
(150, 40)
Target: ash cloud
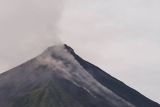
(26, 29)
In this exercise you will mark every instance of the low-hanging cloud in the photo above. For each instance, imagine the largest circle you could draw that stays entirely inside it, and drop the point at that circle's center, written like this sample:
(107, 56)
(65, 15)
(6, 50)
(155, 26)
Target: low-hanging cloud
(27, 28)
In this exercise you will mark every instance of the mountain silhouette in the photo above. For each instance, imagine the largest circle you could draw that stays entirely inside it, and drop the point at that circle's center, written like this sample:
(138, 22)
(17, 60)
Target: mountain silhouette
(60, 78)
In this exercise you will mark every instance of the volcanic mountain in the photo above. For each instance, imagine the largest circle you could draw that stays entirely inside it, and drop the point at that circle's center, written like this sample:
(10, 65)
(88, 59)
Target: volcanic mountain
(60, 78)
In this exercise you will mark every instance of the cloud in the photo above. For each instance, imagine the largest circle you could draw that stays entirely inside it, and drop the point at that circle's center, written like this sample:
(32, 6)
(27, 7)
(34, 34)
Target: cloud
(120, 36)
(27, 28)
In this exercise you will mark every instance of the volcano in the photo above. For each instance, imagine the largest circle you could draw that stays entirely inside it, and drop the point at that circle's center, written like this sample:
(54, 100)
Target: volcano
(60, 78)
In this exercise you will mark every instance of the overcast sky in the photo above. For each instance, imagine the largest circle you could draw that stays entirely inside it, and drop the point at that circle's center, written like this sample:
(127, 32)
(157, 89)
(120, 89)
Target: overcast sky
(120, 36)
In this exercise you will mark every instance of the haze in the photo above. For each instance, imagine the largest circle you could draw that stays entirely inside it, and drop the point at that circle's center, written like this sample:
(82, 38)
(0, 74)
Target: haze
(121, 37)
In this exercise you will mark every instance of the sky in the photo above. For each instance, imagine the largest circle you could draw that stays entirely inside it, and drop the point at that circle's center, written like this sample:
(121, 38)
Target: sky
(26, 29)
(119, 36)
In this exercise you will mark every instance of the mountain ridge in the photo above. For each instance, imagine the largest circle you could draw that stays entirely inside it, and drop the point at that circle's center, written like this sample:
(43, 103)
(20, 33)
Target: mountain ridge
(66, 80)
(117, 84)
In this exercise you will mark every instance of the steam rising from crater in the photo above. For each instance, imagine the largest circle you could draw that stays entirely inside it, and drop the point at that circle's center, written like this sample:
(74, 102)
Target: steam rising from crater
(27, 28)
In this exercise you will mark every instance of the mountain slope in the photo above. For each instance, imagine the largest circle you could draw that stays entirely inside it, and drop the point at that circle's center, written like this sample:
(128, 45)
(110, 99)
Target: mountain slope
(59, 78)
(115, 85)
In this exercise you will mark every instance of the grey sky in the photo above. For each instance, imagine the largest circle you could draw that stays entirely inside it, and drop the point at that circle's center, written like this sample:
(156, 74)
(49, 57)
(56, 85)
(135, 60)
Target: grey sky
(120, 36)
(26, 28)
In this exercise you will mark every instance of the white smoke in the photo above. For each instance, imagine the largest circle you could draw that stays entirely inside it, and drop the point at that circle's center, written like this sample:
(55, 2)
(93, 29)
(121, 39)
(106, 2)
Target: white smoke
(26, 29)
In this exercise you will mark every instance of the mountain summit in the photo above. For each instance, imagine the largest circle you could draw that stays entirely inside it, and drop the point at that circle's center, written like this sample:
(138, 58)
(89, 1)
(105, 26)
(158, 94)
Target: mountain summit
(60, 78)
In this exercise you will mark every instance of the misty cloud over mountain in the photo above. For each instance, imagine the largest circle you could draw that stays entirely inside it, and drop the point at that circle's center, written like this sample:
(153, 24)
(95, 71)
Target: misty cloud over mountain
(27, 28)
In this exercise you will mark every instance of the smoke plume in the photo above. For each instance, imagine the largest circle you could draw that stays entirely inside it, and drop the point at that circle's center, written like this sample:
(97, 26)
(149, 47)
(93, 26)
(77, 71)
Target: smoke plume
(27, 28)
